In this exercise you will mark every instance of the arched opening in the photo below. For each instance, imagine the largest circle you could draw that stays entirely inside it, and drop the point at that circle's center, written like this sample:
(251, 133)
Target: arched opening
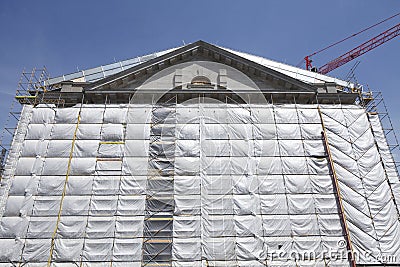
(201, 82)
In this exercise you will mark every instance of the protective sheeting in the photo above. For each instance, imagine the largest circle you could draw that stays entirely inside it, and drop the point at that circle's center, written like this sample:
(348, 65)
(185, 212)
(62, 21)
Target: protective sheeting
(386, 157)
(11, 163)
(358, 150)
(198, 185)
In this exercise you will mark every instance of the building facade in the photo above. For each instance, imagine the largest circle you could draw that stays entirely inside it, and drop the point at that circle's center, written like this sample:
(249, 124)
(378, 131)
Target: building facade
(198, 156)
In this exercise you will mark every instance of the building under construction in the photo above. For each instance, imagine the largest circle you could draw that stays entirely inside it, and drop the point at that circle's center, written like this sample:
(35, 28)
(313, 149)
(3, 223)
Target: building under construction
(198, 156)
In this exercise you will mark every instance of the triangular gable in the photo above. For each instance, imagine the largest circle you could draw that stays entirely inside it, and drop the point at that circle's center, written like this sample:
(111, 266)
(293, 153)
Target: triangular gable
(206, 51)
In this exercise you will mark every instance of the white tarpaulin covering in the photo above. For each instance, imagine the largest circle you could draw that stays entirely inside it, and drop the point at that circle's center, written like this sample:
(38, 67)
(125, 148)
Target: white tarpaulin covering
(358, 147)
(246, 186)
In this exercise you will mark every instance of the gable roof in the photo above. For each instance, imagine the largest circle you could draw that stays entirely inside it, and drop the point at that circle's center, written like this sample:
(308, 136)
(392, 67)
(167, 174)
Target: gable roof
(204, 51)
(103, 72)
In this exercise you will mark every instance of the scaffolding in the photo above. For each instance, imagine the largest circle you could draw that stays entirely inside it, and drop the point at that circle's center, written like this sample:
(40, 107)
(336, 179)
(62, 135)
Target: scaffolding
(30, 85)
(214, 183)
(374, 104)
(202, 183)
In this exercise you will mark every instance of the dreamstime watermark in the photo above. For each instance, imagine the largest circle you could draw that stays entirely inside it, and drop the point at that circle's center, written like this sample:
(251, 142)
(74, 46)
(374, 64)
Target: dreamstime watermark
(340, 253)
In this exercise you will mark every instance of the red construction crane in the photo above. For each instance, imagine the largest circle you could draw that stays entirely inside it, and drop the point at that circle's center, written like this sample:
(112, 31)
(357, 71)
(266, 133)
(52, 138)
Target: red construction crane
(356, 52)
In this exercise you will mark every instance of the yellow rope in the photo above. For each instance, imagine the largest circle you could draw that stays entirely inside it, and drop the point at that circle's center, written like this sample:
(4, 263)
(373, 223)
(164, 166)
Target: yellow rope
(328, 150)
(24, 96)
(63, 193)
(112, 142)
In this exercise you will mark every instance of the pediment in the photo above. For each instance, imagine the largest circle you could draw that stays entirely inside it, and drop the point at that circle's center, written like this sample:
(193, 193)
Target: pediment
(266, 79)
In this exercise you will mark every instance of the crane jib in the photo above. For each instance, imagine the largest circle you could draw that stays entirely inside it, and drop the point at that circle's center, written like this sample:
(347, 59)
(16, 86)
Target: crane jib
(361, 49)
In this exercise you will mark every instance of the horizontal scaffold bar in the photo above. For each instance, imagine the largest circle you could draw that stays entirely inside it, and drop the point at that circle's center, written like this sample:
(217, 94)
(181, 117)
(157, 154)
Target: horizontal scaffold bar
(159, 241)
(159, 219)
(108, 159)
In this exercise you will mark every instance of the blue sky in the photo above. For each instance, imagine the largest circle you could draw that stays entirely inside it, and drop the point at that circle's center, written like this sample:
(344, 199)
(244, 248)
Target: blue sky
(66, 35)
